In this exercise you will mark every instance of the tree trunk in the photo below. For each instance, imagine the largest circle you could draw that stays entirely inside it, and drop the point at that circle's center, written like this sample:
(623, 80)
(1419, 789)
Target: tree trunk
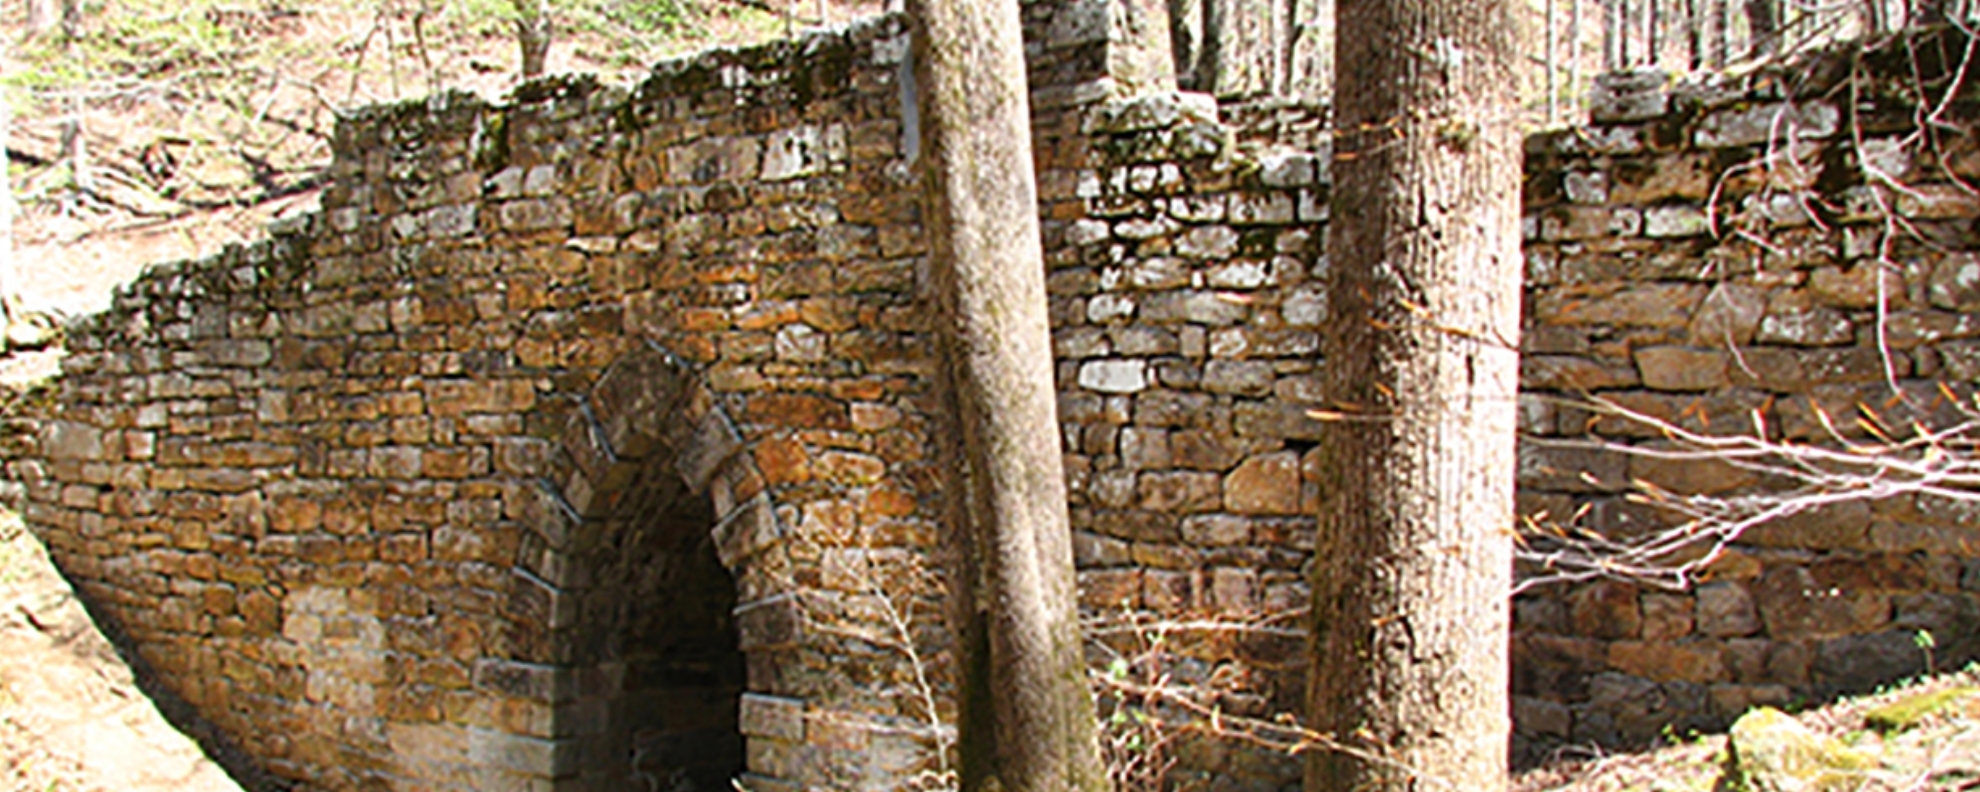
(7, 209)
(1244, 46)
(74, 146)
(1186, 33)
(1311, 49)
(1763, 27)
(41, 17)
(1413, 559)
(532, 36)
(989, 273)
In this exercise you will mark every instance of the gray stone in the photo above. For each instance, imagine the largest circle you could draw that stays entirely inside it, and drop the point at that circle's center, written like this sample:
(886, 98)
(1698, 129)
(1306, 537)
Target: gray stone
(1737, 126)
(1207, 242)
(1542, 717)
(1114, 376)
(1726, 610)
(1271, 208)
(1858, 663)
(1729, 315)
(1624, 96)
(1664, 222)
(1586, 187)
(1240, 377)
(1814, 327)
(1674, 368)
(1955, 282)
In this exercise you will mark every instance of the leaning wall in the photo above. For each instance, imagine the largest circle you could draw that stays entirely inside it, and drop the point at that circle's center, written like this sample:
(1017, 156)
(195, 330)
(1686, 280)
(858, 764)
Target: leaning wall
(591, 441)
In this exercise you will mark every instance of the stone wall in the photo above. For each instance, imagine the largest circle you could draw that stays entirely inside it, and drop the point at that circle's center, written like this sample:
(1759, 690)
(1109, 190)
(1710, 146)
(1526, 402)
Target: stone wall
(561, 449)
(1706, 254)
(589, 441)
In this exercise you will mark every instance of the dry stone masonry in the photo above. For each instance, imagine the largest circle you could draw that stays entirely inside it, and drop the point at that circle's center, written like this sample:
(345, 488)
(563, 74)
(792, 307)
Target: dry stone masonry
(1706, 253)
(589, 441)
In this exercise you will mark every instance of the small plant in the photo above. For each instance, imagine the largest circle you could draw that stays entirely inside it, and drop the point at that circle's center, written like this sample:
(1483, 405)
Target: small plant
(1926, 643)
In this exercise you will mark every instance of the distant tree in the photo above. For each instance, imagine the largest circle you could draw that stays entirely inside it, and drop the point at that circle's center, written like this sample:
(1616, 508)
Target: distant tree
(1249, 48)
(533, 31)
(1413, 557)
(1763, 25)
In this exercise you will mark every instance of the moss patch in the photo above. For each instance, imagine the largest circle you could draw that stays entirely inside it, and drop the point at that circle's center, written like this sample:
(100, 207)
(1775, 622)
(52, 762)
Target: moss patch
(1908, 712)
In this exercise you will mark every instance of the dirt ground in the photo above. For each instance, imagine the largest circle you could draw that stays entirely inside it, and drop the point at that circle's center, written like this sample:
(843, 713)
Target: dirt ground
(71, 714)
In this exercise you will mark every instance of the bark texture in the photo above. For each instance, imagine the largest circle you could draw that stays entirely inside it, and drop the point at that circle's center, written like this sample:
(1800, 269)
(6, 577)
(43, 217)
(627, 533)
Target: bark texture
(1413, 558)
(1763, 26)
(532, 37)
(982, 218)
(1250, 48)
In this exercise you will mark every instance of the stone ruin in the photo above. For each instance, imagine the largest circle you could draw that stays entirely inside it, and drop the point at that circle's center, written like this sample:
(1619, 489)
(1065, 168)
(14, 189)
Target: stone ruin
(589, 441)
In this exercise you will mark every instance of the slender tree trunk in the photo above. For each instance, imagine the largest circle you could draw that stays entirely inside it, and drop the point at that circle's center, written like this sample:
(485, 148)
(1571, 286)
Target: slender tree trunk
(8, 280)
(1186, 45)
(74, 145)
(1413, 559)
(989, 270)
(1763, 26)
(532, 36)
(1244, 44)
(41, 17)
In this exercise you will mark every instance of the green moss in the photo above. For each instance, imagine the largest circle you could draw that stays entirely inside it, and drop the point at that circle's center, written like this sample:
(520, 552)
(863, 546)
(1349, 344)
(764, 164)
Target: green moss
(1773, 752)
(1908, 712)
(492, 152)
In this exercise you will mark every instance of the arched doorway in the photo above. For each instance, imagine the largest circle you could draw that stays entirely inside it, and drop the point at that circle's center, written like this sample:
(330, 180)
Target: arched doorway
(658, 632)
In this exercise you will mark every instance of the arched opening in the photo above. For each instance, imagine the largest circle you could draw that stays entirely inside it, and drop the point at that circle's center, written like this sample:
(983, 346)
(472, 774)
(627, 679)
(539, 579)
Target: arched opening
(660, 669)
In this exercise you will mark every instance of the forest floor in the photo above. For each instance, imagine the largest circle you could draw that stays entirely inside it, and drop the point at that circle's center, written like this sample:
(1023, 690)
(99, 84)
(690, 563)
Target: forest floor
(72, 716)
(1940, 754)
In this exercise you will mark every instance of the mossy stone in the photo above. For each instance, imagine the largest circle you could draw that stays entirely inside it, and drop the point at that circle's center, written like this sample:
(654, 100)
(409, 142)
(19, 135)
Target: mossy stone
(1909, 711)
(1772, 752)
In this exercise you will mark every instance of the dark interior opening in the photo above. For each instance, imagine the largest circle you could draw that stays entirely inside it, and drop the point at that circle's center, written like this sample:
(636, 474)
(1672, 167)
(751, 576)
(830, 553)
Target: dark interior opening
(665, 674)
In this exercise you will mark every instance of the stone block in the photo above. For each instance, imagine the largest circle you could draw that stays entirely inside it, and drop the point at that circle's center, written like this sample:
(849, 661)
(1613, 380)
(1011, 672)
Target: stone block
(775, 717)
(1661, 661)
(1668, 222)
(1114, 376)
(1264, 484)
(1537, 716)
(1861, 662)
(1675, 368)
(769, 623)
(1794, 604)
(1726, 610)
(1779, 122)
(1606, 609)
(1145, 448)
(1238, 377)
(1728, 316)
(1955, 284)
(1179, 491)
(1666, 617)
(74, 440)
(746, 531)
(1625, 96)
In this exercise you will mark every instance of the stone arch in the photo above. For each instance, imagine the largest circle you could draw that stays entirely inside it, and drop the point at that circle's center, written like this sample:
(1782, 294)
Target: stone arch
(634, 581)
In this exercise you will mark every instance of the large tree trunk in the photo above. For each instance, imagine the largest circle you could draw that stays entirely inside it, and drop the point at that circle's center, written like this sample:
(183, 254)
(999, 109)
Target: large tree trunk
(989, 270)
(1413, 563)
